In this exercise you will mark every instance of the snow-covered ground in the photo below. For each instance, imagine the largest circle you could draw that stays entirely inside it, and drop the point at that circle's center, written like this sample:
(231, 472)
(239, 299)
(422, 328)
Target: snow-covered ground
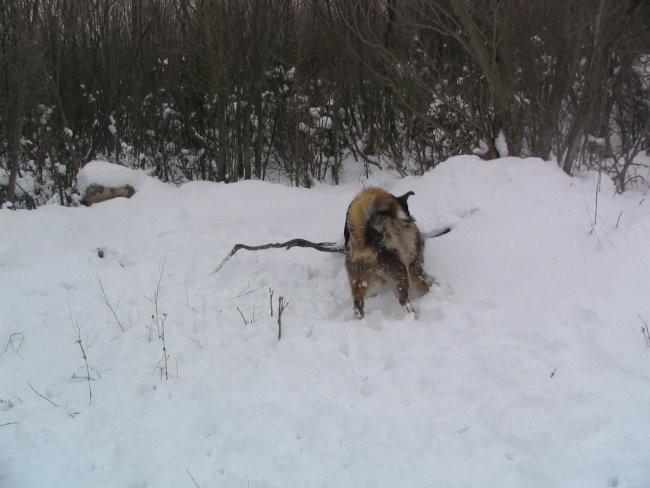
(527, 366)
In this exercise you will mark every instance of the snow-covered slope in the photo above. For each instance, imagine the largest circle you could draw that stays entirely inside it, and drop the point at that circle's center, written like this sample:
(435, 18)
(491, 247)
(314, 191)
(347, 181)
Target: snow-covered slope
(527, 366)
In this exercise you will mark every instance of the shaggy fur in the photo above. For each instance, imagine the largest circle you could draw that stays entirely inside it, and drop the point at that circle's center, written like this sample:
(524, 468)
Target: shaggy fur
(382, 242)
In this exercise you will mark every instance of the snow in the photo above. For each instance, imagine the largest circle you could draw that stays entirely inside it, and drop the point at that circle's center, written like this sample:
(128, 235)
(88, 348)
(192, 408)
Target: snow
(501, 144)
(482, 148)
(112, 176)
(111, 126)
(526, 367)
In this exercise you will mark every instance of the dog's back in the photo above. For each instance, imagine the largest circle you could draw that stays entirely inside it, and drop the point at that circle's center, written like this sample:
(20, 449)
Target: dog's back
(382, 241)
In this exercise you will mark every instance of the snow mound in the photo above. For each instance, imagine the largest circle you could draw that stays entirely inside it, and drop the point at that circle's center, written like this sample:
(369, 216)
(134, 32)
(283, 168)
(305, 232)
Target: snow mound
(109, 175)
(528, 366)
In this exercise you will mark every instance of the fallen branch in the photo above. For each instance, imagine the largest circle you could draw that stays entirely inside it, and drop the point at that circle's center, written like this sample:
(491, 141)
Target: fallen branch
(319, 246)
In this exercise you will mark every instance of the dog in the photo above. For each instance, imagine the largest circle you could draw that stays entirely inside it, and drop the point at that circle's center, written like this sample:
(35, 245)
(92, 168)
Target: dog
(383, 243)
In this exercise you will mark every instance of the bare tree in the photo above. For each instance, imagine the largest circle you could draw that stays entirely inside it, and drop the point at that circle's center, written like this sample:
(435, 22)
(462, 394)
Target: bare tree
(608, 26)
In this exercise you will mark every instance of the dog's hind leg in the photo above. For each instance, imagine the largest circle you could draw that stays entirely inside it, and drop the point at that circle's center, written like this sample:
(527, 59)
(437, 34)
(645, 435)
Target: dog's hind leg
(359, 275)
(395, 270)
(359, 288)
(421, 279)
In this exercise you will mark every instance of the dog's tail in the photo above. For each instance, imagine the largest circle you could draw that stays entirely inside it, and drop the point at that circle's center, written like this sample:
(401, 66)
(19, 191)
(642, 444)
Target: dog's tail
(370, 204)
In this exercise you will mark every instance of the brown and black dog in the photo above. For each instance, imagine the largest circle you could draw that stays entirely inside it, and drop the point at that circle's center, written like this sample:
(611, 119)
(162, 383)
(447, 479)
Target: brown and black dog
(382, 242)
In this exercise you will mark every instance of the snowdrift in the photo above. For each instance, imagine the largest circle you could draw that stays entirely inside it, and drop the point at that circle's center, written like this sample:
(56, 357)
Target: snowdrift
(527, 367)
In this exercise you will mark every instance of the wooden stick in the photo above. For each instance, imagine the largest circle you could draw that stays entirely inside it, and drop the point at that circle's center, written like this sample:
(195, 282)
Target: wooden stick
(319, 246)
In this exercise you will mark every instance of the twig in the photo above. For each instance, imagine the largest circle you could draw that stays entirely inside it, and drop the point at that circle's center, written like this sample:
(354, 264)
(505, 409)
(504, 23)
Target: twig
(83, 354)
(43, 397)
(192, 478)
(645, 331)
(108, 304)
(15, 342)
(164, 369)
(76, 327)
(242, 316)
(70, 414)
(155, 317)
(160, 319)
(9, 423)
(618, 220)
(245, 292)
(271, 300)
(156, 293)
(282, 304)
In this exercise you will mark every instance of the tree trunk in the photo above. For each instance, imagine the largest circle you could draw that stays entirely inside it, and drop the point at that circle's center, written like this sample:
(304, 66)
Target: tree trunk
(611, 22)
(500, 88)
(20, 94)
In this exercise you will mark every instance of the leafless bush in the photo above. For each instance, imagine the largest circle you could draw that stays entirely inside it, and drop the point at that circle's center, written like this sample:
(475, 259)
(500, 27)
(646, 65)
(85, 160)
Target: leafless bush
(158, 319)
(229, 90)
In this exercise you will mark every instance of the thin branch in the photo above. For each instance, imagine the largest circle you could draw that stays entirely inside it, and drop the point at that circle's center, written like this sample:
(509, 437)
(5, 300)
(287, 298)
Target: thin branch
(85, 358)
(645, 331)
(161, 334)
(192, 478)
(108, 304)
(43, 397)
(15, 343)
(618, 220)
(245, 292)
(77, 329)
(242, 316)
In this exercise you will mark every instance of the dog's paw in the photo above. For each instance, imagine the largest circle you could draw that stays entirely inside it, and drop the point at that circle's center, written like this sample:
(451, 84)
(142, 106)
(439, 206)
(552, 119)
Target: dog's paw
(409, 309)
